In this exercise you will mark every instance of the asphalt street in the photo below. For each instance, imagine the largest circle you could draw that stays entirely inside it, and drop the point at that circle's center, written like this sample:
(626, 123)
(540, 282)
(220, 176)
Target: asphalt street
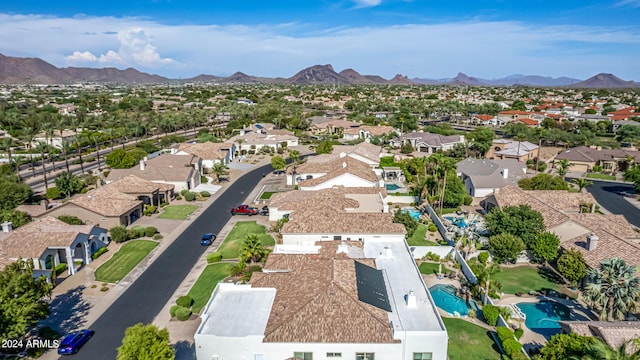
(146, 297)
(611, 195)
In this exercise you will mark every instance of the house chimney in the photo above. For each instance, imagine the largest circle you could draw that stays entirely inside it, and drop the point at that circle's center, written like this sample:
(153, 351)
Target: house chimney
(505, 173)
(343, 154)
(141, 165)
(45, 204)
(412, 301)
(7, 227)
(592, 241)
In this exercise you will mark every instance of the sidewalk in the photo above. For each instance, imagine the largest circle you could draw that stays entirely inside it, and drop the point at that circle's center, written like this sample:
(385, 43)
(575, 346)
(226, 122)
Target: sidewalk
(77, 301)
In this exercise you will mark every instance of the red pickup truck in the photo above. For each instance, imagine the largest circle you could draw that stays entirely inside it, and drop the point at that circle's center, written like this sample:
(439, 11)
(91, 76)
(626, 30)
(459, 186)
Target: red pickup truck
(244, 210)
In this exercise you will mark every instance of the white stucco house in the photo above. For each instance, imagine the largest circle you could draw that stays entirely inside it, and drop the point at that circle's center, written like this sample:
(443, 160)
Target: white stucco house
(209, 152)
(323, 172)
(181, 171)
(428, 142)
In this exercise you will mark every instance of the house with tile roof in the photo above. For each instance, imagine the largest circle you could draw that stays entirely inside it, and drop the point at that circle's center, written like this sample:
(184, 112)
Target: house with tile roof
(346, 298)
(528, 122)
(365, 152)
(322, 172)
(486, 120)
(512, 149)
(585, 158)
(209, 152)
(48, 242)
(481, 177)
(508, 116)
(428, 142)
(183, 172)
(260, 135)
(612, 333)
(366, 132)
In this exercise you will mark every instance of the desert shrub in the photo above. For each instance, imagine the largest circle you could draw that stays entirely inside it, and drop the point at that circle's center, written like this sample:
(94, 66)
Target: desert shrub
(149, 210)
(518, 333)
(183, 192)
(118, 234)
(432, 256)
(150, 231)
(214, 257)
(178, 197)
(185, 301)
(133, 234)
(53, 193)
(183, 313)
(173, 310)
(467, 200)
(203, 179)
(163, 204)
(504, 333)
(512, 347)
(432, 227)
(189, 196)
(490, 314)
(157, 237)
(70, 219)
(60, 268)
(472, 314)
(100, 251)
(597, 168)
(205, 194)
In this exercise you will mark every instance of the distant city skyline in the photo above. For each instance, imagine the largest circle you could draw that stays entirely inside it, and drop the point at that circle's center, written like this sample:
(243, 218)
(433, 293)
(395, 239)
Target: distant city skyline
(417, 38)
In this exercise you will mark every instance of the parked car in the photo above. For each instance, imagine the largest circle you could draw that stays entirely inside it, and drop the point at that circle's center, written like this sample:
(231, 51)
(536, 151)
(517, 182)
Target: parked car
(207, 239)
(244, 210)
(73, 342)
(264, 211)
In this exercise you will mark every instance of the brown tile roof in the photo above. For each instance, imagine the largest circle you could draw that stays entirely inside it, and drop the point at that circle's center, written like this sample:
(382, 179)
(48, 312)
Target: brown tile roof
(317, 301)
(614, 333)
(205, 150)
(609, 246)
(107, 202)
(162, 168)
(563, 200)
(365, 149)
(337, 199)
(587, 154)
(377, 130)
(335, 168)
(132, 184)
(32, 210)
(32, 239)
(318, 221)
(614, 224)
(512, 195)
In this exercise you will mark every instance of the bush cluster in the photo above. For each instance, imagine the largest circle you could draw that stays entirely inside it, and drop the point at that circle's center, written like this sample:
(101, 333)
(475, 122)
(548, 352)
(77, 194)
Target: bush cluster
(182, 309)
(490, 314)
(100, 251)
(70, 219)
(121, 234)
(60, 268)
(184, 301)
(189, 196)
(149, 210)
(214, 257)
(510, 345)
(205, 194)
(53, 193)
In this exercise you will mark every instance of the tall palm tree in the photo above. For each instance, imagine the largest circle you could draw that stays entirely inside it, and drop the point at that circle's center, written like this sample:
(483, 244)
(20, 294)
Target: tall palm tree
(599, 350)
(66, 148)
(484, 277)
(614, 287)
(28, 135)
(562, 166)
(447, 165)
(7, 144)
(294, 157)
(42, 147)
(75, 122)
(219, 169)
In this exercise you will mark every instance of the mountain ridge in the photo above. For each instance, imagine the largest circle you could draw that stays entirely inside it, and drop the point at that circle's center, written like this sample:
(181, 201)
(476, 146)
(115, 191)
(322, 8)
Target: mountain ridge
(16, 70)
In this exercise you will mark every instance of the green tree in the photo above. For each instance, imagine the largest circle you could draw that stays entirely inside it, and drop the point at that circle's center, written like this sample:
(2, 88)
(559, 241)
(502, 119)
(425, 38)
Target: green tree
(407, 148)
(614, 288)
(481, 140)
(252, 249)
(454, 192)
(572, 266)
(543, 182)
(13, 193)
(145, 342)
(446, 165)
(278, 163)
(566, 346)
(22, 301)
(633, 175)
(518, 105)
(562, 166)
(404, 218)
(521, 221)
(324, 147)
(68, 183)
(219, 169)
(599, 350)
(505, 247)
(16, 217)
(581, 183)
(545, 247)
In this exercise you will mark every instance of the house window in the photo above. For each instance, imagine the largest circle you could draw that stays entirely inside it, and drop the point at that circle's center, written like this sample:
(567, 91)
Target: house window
(334, 355)
(303, 355)
(309, 177)
(364, 356)
(337, 237)
(422, 356)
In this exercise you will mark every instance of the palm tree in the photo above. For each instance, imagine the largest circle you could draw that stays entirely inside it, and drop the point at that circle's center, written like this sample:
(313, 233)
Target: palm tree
(600, 350)
(240, 141)
(562, 166)
(42, 147)
(581, 183)
(28, 135)
(75, 122)
(614, 287)
(96, 136)
(252, 249)
(219, 169)
(66, 148)
(294, 157)
(7, 143)
(485, 277)
(446, 166)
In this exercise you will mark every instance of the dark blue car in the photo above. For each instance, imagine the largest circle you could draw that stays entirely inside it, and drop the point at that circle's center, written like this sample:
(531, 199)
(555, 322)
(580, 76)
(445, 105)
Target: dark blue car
(73, 342)
(207, 239)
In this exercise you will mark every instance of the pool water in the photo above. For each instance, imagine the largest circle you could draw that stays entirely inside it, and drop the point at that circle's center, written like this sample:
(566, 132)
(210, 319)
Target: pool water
(457, 221)
(391, 186)
(414, 213)
(543, 317)
(446, 299)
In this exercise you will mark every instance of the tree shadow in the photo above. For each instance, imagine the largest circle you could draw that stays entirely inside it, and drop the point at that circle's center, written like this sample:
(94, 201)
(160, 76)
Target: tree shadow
(185, 350)
(68, 311)
(550, 275)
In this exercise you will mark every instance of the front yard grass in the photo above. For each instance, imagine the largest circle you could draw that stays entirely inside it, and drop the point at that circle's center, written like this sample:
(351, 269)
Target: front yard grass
(122, 262)
(600, 176)
(267, 195)
(177, 212)
(428, 268)
(230, 248)
(418, 237)
(467, 340)
(525, 279)
(203, 287)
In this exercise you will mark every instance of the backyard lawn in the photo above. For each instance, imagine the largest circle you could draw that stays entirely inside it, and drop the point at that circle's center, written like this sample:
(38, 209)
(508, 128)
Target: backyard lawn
(203, 287)
(467, 341)
(122, 262)
(177, 212)
(600, 176)
(524, 279)
(230, 248)
(418, 238)
(428, 268)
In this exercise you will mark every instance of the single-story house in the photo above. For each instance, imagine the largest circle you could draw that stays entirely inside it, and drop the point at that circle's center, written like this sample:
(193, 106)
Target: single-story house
(366, 132)
(255, 139)
(585, 158)
(508, 116)
(511, 149)
(365, 152)
(341, 171)
(482, 176)
(486, 120)
(183, 172)
(428, 142)
(56, 140)
(612, 333)
(209, 152)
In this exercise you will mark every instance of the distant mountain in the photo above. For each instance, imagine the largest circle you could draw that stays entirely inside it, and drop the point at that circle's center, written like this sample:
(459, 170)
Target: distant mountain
(355, 78)
(511, 80)
(400, 80)
(202, 78)
(605, 81)
(318, 74)
(464, 79)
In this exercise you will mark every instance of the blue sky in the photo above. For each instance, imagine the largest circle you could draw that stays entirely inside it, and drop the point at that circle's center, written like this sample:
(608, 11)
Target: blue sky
(416, 38)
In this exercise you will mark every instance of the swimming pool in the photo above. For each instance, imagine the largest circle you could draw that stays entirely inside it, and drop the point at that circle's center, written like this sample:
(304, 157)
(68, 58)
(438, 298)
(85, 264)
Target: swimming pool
(391, 186)
(446, 299)
(543, 317)
(457, 221)
(414, 213)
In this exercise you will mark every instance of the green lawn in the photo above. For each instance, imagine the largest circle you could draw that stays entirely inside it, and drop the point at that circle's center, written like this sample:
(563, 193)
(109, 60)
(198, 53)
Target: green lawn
(122, 262)
(524, 279)
(177, 212)
(267, 195)
(469, 341)
(418, 238)
(203, 287)
(600, 176)
(432, 268)
(230, 248)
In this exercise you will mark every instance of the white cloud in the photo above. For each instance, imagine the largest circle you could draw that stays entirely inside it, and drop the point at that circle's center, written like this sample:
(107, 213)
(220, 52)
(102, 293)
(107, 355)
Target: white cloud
(632, 3)
(111, 57)
(367, 3)
(81, 56)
